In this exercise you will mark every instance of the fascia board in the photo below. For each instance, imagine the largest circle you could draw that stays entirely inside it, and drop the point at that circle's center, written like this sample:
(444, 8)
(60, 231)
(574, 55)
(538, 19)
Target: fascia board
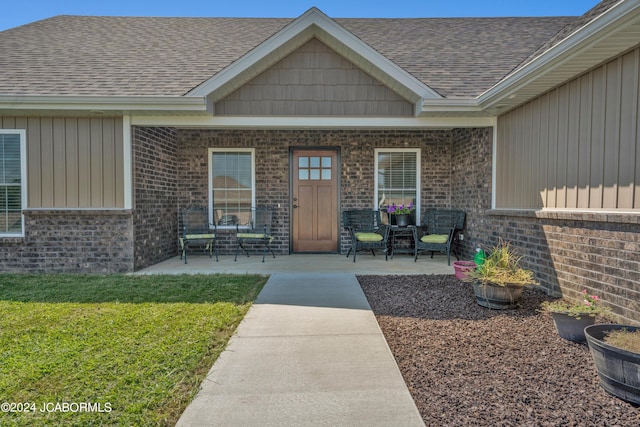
(106, 103)
(232, 122)
(581, 39)
(323, 27)
(466, 106)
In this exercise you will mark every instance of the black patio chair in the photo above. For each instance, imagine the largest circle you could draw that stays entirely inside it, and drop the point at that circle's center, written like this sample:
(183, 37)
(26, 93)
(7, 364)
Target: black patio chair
(438, 232)
(366, 231)
(197, 231)
(255, 229)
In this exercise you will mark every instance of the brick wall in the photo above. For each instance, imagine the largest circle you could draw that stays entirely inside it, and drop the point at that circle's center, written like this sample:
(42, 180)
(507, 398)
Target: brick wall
(568, 251)
(272, 167)
(71, 241)
(155, 216)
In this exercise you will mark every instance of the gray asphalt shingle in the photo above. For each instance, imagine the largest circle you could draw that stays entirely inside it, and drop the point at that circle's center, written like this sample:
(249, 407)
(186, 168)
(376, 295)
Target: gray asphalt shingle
(82, 55)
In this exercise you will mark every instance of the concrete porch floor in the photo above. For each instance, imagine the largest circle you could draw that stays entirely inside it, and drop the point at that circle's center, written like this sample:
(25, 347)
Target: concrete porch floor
(365, 264)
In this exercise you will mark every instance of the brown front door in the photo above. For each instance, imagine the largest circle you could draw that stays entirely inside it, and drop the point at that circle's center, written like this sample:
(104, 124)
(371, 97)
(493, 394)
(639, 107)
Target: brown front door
(314, 202)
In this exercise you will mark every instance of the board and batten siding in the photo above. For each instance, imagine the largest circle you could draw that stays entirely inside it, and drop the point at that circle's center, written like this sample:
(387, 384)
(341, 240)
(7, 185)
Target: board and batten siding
(577, 146)
(314, 81)
(72, 163)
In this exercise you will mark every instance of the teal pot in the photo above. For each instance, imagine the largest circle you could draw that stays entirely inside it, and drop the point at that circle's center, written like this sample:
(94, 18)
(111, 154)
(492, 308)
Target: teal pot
(572, 328)
(618, 369)
(497, 297)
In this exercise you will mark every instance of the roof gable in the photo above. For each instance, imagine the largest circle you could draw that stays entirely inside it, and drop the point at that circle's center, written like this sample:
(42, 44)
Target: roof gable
(314, 24)
(314, 81)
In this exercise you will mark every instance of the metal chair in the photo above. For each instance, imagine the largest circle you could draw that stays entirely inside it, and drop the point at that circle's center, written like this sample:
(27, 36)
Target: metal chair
(197, 231)
(438, 231)
(256, 229)
(366, 231)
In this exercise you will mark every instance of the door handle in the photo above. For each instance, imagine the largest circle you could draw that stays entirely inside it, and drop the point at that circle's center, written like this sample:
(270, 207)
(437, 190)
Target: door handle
(295, 206)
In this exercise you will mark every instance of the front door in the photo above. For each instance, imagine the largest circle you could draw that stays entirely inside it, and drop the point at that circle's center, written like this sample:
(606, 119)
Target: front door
(314, 201)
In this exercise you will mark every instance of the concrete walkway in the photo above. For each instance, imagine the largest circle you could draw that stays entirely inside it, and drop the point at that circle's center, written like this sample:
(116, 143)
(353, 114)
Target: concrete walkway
(308, 353)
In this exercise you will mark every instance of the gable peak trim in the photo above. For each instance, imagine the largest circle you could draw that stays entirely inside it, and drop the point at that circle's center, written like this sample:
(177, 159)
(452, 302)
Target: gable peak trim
(314, 24)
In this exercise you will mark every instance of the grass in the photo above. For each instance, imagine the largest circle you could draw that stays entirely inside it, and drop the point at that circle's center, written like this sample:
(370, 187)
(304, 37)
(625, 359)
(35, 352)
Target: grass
(139, 346)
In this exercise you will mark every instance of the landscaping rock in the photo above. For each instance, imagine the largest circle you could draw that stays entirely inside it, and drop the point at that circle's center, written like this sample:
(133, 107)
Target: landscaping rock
(469, 365)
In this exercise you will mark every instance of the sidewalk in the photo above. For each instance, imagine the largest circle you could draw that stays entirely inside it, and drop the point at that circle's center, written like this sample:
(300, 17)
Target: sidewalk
(308, 352)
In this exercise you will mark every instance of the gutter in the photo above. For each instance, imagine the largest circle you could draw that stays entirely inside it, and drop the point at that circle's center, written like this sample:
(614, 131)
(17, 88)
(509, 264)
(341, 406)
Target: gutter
(106, 104)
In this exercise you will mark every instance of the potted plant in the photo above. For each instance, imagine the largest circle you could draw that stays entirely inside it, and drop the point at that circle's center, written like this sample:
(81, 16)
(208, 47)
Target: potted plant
(570, 318)
(401, 213)
(616, 352)
(499, 281)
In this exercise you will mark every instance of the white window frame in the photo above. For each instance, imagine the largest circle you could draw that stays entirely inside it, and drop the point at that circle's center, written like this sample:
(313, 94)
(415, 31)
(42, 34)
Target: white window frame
(253, 177)
(377, 151)
(22, 133)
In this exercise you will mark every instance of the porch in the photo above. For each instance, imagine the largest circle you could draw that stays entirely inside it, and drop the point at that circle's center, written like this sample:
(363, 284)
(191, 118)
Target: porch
(366, 264)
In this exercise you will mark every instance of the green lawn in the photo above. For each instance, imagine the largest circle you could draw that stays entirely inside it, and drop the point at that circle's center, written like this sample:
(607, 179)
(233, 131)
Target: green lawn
(133, 350)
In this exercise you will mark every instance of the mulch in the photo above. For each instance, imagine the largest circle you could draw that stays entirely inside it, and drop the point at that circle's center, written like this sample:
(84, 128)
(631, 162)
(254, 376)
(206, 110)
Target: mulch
(466, 365)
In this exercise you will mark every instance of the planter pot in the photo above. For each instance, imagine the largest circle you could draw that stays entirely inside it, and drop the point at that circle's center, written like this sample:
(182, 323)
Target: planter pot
(402, 220)
(497, 297)
(572, 328)
(461, 268)
(618, 369)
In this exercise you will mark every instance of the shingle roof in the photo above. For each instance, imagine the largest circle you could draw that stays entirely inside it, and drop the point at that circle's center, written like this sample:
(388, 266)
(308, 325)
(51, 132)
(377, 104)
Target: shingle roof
(579, 22)
(81, 55)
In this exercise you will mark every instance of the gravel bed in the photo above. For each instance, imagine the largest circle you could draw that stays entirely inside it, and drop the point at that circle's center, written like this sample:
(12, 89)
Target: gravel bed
(469, 365)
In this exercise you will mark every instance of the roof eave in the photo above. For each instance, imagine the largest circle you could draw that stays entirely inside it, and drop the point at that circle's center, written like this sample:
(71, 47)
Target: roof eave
(105, 105)
(612, 33)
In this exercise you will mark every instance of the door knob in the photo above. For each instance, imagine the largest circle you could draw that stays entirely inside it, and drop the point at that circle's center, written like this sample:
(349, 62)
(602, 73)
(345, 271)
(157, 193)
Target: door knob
(295, 206)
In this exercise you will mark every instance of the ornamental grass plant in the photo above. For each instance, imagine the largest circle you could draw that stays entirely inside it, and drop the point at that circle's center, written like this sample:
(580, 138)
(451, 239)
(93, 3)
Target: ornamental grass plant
(624, 339)
(501, 267)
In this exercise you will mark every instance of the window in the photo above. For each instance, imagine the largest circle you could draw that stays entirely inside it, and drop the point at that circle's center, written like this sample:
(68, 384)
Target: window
(12, 182)
(397, 178)
(232, 185)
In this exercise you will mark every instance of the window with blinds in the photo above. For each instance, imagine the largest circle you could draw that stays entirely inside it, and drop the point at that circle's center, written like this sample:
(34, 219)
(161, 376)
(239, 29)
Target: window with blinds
(232, 183)
(11, 186)
(397, 178)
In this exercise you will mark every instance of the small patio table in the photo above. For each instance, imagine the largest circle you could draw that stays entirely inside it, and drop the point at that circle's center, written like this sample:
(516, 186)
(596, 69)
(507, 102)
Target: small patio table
(405, 233)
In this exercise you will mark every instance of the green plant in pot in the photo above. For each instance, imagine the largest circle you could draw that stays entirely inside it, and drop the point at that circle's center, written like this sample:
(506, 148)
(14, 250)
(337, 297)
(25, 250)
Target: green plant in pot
(499, 281)
(570, 318)
(401, 213)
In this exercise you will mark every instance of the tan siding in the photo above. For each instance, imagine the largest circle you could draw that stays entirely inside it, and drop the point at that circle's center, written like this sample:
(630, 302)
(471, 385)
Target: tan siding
(628, 129)
(552, 168)
(577, 146)
(543, 151)
(596, 170)
(71, 159)
(584, 140)
(46, 162)
(314, 81)
(73, 162)
(612, 134)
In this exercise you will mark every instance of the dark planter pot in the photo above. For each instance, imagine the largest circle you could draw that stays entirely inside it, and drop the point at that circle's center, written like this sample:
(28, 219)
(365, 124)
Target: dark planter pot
(497, 297)
(618, 369)
(572, 328)
(402, 220)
